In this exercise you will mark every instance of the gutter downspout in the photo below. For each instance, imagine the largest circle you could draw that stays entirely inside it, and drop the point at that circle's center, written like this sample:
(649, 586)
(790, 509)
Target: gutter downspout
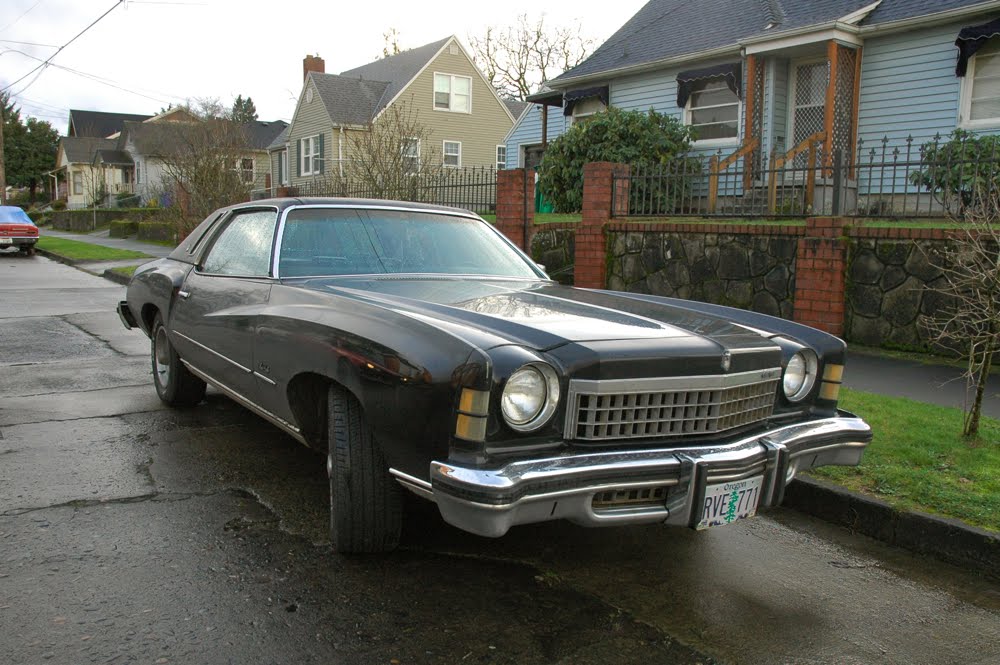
(340, 152)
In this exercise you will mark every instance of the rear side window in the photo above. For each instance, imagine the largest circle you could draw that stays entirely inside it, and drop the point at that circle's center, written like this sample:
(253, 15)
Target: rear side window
(243, 247)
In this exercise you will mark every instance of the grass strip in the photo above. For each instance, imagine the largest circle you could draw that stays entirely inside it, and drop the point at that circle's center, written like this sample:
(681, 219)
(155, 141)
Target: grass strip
(74, 250)
(128, 271)
(919, 460)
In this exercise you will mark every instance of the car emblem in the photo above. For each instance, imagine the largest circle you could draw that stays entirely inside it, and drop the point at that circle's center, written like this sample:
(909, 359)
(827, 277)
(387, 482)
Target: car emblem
(727, 360)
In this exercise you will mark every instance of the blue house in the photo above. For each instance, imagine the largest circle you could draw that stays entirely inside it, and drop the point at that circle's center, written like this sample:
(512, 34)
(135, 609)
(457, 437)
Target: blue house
(868, 80)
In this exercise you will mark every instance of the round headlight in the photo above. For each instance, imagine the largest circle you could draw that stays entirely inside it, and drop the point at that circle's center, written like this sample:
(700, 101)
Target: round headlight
(530, 397)
(800, 375)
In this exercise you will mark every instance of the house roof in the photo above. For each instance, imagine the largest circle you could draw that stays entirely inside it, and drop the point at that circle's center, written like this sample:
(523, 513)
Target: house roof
(115, 157)
(515, 107)
(396, 70)
(350, 101)
(667, 29)
(263, 132)
(279, 141)
(81, 149)
(162, 138)
(99, 123)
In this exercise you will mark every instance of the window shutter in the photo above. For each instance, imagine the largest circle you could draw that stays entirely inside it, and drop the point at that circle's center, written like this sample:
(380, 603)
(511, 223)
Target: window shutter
(298, 158)
(322, 162)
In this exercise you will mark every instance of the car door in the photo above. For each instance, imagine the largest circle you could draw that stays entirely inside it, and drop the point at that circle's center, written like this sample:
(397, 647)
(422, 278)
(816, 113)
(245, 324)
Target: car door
(215, 314)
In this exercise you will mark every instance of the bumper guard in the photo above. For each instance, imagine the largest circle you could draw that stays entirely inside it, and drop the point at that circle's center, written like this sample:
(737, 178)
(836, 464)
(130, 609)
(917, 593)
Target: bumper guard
(490, 501)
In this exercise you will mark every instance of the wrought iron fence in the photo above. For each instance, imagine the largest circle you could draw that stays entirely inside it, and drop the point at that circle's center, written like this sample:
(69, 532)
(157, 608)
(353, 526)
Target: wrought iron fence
(909, 178)
(473, 188)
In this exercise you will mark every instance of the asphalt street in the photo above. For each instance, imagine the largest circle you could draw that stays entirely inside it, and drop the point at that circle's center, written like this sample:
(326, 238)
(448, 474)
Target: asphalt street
(130, 532)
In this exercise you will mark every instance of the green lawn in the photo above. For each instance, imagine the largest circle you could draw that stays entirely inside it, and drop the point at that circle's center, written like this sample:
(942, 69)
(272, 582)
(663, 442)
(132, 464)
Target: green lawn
(75, 250)
(128, 271)
(919, 460)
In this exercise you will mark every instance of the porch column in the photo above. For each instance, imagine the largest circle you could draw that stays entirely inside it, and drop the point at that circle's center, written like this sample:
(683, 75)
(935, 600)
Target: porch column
(831, 98)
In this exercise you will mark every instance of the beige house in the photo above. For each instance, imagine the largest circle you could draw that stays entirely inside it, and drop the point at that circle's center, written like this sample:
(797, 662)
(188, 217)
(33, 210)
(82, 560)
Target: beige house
(463, 120)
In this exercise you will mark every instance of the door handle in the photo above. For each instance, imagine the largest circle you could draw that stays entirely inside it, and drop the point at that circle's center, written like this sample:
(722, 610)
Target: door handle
(184, 294)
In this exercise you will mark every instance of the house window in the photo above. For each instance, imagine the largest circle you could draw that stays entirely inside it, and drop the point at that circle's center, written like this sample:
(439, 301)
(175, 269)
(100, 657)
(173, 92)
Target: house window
(246, 166)
(585, 109)
(713, 111)
(310, 155)
(981, 87)
(137, 180)
(452, 93)
(452, 153)
(411, 155)
(283, 167)
(77, 183)
(501, 157)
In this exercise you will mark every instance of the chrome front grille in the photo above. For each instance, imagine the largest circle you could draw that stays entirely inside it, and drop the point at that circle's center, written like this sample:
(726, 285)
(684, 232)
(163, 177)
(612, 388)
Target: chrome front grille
(668, 407)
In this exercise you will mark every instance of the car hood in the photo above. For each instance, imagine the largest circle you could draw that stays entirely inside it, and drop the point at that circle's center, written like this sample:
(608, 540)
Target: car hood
(536, 314)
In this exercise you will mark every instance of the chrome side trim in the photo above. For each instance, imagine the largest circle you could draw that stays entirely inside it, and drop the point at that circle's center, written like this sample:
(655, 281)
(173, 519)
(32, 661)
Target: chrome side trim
(421, 488)
(264, 378)
(213, 352)
(291, 429)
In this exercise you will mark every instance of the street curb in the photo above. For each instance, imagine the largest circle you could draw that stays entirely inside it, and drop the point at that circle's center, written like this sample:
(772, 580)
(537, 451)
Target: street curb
(947, 539)
(116, 277)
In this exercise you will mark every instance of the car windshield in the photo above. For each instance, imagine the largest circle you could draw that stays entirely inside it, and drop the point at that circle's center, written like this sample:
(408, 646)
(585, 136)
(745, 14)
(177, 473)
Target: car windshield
(338, 241)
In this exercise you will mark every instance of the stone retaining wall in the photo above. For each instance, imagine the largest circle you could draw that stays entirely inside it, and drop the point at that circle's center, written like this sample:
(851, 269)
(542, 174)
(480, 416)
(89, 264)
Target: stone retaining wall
(754, 272)
(890, 285)
(555, 248)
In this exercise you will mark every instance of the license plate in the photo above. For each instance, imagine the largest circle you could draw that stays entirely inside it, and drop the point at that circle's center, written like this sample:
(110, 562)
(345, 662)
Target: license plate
(5, 241)
(727, 502)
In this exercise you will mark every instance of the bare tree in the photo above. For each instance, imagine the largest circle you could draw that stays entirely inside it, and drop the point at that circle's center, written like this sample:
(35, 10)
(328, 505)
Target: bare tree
(393, 155)
(391, 47)
(208, 161)
(968, 318)
(517, 59)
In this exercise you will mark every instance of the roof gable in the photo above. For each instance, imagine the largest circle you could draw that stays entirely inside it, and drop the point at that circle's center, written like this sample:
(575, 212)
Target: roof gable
(396, 71)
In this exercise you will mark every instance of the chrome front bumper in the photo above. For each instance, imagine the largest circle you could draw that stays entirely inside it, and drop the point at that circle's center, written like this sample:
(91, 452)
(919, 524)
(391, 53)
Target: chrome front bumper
(490, 501)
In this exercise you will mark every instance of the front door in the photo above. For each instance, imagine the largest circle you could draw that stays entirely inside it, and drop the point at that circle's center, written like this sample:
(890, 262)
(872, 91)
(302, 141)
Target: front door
(214, 318)
(808, 102)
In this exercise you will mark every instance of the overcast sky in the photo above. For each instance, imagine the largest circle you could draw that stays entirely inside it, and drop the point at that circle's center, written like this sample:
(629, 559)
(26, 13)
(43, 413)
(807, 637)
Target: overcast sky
(145, 55)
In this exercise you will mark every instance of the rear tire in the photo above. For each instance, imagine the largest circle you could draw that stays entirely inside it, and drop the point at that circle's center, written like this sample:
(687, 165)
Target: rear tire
(175, 384)
(365, 501)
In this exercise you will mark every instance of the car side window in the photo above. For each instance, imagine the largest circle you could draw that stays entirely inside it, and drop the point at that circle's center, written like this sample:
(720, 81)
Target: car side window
(243, 247)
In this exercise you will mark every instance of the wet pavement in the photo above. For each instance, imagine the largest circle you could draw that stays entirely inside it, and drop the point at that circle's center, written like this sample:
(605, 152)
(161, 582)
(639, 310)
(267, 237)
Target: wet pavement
(134, 533)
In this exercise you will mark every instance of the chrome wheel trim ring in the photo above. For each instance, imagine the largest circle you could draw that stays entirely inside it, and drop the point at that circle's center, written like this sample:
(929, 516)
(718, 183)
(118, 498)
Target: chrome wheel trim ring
(161, 357)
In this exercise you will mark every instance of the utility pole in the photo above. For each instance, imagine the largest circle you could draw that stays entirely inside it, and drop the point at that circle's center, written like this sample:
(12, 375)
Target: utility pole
(3, 168)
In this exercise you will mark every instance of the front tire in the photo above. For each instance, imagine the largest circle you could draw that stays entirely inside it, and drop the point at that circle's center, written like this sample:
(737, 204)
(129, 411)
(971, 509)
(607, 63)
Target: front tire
(175, 384)
(365, 501)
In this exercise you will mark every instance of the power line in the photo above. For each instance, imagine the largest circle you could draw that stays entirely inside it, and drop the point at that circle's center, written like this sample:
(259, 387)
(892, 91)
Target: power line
(14, 41)
(23, 14)
(59, 50)
(103, 80)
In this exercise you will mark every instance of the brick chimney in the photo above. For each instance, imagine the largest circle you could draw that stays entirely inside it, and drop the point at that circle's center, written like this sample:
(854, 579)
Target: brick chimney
(312, 63)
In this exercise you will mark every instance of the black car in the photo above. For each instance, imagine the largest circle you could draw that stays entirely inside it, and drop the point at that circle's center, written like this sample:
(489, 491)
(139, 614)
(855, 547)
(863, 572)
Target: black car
(420, 349)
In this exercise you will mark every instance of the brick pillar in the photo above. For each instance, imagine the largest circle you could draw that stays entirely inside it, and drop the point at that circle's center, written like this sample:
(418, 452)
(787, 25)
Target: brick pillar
(589, 268)
(820, 268)
(516, 205)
